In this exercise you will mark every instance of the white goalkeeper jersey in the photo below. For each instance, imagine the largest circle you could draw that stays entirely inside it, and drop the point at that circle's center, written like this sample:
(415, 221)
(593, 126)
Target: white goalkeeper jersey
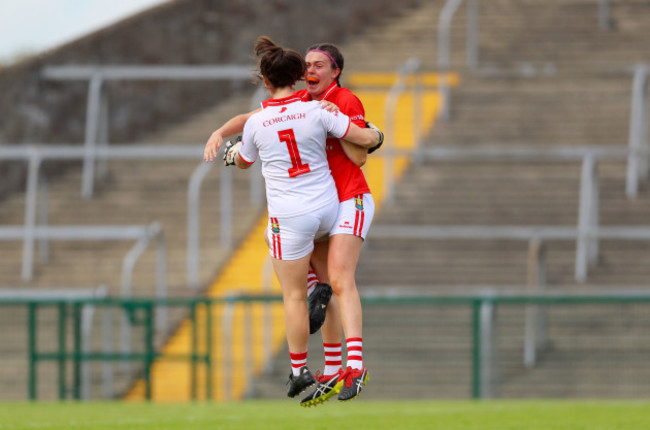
(289, 137)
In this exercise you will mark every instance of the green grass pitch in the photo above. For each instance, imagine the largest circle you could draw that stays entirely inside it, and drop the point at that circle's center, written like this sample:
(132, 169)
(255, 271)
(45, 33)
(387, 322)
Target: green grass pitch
(358, 415)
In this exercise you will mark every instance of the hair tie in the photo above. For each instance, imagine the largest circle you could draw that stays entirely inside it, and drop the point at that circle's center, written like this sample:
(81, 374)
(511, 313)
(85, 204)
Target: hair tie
(326, 53)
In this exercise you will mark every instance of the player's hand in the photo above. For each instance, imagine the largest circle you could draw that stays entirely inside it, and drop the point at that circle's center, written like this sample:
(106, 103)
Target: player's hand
(381, 137)
(212, 147)
(230, 151)
(329, 106)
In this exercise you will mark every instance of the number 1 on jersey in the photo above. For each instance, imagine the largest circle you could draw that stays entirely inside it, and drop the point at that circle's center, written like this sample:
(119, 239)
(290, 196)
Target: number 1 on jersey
(289, 138)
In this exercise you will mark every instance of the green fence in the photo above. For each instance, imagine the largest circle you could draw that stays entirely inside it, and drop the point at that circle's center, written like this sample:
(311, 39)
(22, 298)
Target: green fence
(66, 323)
(490, 344)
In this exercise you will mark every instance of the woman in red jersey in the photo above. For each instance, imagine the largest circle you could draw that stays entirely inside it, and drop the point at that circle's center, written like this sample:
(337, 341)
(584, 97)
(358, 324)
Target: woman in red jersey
(334, 260)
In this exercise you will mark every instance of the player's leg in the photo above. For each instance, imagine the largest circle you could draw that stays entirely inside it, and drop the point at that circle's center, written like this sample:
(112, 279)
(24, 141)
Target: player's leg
(329, 382)
(319, 293)
(312, 281)
(291, 275)
(298, 234)
(342, 263)
(345, 248)
(290, 244)
(319, 298)
(331, 329)
(343, 258)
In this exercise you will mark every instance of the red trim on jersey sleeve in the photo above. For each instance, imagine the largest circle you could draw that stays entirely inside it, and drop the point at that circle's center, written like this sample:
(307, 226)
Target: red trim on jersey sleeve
(346, 130)
(244, 160)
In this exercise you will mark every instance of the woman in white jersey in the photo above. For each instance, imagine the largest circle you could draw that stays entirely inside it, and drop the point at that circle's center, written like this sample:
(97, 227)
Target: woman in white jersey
(289, 136)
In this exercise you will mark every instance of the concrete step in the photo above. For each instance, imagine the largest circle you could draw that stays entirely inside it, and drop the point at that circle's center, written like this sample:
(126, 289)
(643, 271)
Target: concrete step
(554, 110)
(433, 361)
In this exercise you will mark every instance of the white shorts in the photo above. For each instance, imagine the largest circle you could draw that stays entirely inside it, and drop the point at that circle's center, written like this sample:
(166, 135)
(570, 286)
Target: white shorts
(292, 238)
(355, 216)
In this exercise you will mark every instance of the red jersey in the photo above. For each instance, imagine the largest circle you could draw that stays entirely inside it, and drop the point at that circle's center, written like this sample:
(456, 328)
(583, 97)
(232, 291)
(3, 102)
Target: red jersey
(348, 177)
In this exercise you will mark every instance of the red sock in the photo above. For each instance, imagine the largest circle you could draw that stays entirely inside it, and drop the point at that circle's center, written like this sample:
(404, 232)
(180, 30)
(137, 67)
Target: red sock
(333, 359)
(312, 280)
(298, 361)
(355, 352)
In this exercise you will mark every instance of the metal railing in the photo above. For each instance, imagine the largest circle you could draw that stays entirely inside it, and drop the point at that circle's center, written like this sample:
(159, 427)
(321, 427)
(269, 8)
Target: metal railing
(85, 329)
(97, 104)
(448, 12)
(588, 217)
(36, 194)
(445, 18)
(444, 46)
(536, 317)
(604, 15)
(444, 33)
(405, 71)
(528, 233)
(484, 337)
(141, 312)
(194, 220)
(587, 232)
(638, 138)
(143, 235)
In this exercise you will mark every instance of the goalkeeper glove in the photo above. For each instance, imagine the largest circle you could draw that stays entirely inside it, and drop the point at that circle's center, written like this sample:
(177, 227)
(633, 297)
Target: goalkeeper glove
(381, 137)
(230, 151)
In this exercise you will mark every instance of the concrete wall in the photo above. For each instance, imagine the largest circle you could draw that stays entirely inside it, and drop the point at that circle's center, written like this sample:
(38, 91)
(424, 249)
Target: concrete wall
(178, 32)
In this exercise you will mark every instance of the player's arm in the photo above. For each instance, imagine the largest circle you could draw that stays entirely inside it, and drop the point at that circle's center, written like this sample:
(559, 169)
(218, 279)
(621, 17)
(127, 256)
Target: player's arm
(355, 153)
(231, 155)
(232, 126)
(381, 137)
(239, 162)
(342, 127)
(352, 106)
(364, 137)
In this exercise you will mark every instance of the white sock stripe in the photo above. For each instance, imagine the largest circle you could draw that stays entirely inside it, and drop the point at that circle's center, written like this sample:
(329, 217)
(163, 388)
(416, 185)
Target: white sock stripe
(354, 362)
(332, 349)
(331, 370)
(354, 343)
(312, 281)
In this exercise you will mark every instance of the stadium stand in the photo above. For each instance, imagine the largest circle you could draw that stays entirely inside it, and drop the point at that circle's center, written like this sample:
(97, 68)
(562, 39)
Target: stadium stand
(548, 76)
(169, 113)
